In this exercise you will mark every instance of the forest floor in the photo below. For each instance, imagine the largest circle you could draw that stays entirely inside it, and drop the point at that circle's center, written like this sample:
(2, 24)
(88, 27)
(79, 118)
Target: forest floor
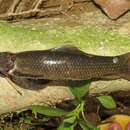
(81, 15)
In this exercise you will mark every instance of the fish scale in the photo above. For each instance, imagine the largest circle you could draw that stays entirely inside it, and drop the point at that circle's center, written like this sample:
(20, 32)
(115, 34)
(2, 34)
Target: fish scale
(64, 63)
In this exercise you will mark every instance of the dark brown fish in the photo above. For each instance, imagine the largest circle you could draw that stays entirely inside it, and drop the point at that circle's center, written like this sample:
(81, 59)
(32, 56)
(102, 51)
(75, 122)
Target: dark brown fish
(64, 63)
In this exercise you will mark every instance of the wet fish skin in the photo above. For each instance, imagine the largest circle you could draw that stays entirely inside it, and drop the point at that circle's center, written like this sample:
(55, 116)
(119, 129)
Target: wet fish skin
(67, 63)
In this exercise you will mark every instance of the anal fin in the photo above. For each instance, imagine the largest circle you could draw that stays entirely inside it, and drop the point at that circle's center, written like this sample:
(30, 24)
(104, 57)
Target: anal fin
(110, 77)
(126, 76)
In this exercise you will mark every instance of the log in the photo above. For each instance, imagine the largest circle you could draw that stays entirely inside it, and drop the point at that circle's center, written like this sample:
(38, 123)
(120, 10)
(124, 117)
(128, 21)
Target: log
(89, 39)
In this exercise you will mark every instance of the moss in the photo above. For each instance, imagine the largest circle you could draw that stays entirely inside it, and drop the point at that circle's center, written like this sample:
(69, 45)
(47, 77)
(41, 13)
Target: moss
(90, 39)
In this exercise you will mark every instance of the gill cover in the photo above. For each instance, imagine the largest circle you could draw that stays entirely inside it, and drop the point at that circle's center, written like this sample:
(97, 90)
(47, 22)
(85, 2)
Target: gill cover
(6, 62)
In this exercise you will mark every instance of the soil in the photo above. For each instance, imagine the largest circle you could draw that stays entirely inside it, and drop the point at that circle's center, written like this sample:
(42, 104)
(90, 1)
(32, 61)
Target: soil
(81, 14)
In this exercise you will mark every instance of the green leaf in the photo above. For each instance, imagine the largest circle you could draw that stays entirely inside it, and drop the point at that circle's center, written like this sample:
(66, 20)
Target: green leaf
(27, 121)
(77, 111)
(86, 125)
(48, 111)
(63, 126)
(107, 101)
(70, 120)
(79, 90)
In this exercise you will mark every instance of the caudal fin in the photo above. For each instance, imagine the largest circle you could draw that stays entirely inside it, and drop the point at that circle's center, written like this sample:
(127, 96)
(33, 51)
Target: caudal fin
(126, 70)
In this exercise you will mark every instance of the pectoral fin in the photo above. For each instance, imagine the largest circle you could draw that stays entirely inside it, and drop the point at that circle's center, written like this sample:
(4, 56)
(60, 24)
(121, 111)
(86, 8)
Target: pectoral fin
(38, 84)
(29, 83)
(16, 74)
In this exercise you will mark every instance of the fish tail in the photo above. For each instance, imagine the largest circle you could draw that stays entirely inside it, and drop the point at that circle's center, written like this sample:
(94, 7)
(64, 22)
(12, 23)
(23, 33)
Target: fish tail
(126, 70)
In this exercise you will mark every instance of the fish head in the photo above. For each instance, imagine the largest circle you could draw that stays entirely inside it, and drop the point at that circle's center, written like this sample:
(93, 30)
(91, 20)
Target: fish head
(6, 62)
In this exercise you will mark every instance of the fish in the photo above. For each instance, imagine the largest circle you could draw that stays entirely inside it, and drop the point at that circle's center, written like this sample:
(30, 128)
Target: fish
(62, 64)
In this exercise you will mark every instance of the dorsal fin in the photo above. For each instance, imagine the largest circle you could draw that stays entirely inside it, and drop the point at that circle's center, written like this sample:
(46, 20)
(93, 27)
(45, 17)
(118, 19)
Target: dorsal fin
(68, 49)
